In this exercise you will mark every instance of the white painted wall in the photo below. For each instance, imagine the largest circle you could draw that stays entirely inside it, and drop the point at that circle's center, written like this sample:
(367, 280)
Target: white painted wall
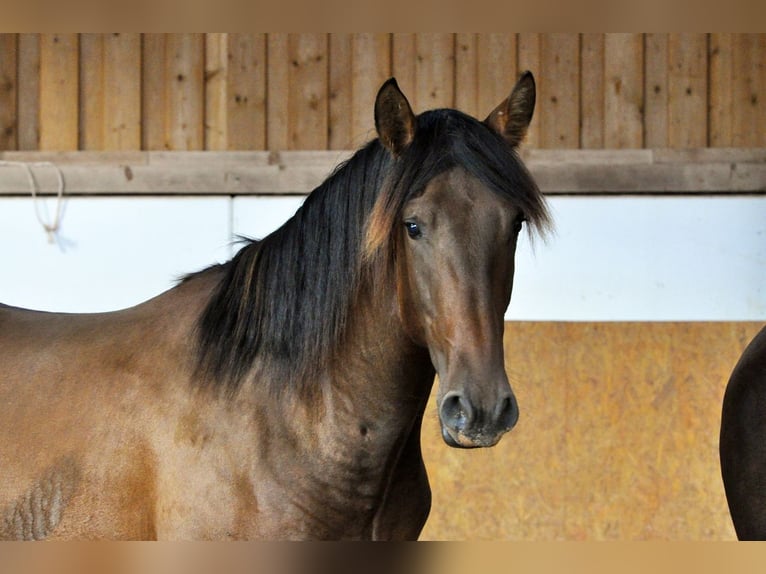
(611, 258)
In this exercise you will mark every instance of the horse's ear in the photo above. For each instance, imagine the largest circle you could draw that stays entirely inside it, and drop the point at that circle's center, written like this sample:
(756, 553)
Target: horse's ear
(511, 118)
(394, 119)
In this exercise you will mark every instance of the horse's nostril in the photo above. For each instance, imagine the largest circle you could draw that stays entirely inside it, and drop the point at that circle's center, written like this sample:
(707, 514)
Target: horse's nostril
(507, 413)
(456, 411)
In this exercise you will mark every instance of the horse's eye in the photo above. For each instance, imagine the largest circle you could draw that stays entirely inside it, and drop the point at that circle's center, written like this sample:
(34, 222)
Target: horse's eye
(413, 229)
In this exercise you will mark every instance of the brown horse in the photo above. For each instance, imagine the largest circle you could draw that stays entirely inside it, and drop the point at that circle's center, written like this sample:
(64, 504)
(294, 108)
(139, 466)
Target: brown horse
(280, 395)
(743, 441)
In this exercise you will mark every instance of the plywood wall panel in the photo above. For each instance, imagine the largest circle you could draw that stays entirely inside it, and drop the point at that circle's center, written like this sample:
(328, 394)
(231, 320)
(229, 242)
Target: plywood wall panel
(617, 438)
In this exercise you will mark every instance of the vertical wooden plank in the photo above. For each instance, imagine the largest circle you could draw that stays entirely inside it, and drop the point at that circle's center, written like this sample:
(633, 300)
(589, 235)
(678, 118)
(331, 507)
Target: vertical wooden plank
(371, 66)
(624, 91)
(278, 91)
(8, 91)
(435, 71)
(29, 85)
(761, 99)
(59, 91)
(91, 92)
(404, 51)
(529, 54)
(467, 73)
(184, 84)
(110, 91)
(747, 87)
(687, 85)
(153, 91)
(122, 91)
(340, 97)
(497, 70)
(246, 91)
(656, 91)
(592, 91)
(307, 105)
(560, 89)
(721, 90)
(216, 73)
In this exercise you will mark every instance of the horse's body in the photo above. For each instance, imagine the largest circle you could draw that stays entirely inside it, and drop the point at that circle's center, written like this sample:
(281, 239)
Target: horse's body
(281, 395)
(743, 441)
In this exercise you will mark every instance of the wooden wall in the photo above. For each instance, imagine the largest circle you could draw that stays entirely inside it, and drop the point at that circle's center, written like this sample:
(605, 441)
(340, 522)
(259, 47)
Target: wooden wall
(617, 438)
(282, 91)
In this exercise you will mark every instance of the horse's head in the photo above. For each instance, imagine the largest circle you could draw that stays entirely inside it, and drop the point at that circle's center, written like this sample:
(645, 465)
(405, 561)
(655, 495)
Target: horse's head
(454, 245)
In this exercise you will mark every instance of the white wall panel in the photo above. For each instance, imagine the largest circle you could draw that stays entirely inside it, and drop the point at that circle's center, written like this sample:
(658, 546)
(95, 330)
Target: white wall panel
(256, 217)
(646, 259)
(110, 252)
(611, 258)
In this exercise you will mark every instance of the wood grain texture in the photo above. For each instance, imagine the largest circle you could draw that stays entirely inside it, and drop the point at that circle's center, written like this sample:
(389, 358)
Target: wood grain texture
(246, 91)
(277, 85)
(308, 104)
(28, 85)
(110, 91)
(467, 73)
(340, 92)
(687, 90)
(530, 58)
(300, 91)
(59, 91)
(623, 91)
(8, 91)
(370, 67)
(592, 91)
(184, 92)
(559, 94)
(497, 70)
(434, 71)
(617, 438)
(216, 93)
(656, 91)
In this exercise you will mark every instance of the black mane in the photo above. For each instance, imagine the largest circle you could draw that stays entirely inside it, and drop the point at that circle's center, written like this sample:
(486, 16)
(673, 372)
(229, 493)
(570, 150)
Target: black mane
(285, 300)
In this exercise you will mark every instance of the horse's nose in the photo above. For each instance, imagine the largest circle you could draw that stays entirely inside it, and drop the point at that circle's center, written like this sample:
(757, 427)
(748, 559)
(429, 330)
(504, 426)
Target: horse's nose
(456, 411)
(465, 424)
(507, 412)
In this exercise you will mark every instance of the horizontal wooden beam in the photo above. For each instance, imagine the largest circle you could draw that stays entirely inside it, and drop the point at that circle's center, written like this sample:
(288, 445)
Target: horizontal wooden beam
(558, 172)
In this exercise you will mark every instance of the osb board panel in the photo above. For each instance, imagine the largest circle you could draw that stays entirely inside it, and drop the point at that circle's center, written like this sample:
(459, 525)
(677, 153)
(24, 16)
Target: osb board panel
(617, 439)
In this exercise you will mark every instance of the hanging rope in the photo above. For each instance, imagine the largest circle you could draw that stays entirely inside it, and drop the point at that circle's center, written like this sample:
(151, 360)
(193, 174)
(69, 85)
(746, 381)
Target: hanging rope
(51, 227)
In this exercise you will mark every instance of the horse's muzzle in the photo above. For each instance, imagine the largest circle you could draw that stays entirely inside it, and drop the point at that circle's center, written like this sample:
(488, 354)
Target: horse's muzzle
(466, 426)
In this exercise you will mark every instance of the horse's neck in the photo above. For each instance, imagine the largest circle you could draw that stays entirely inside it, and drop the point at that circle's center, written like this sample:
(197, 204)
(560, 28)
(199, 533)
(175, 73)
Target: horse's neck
(379, 372)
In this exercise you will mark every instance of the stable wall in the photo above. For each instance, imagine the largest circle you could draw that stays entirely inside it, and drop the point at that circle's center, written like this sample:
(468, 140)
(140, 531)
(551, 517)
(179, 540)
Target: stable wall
(315, 91)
